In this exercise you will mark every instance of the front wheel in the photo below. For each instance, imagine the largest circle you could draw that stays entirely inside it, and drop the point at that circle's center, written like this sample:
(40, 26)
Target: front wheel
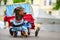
(11, 32)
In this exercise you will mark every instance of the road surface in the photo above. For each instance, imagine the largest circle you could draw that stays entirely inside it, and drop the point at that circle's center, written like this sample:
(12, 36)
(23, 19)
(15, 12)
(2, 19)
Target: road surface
(43, 35)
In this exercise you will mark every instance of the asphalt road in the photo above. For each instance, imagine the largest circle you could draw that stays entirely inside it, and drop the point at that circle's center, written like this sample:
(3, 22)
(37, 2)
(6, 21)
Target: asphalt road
(43, 35)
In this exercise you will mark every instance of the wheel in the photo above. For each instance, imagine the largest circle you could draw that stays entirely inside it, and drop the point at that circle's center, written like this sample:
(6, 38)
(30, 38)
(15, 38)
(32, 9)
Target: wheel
(28, 31)
(11, 32)
(36, 32)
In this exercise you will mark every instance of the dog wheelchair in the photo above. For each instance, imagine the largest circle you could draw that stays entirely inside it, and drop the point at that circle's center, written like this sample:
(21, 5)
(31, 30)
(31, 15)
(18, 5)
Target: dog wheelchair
(32, 27)
(27, 17)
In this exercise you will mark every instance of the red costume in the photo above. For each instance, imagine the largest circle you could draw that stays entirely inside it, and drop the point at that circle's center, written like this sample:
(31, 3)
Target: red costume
(29, 18)
(8, 19)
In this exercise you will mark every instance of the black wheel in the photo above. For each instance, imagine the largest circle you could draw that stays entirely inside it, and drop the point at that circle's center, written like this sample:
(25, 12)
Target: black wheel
(28, 31)
(11, 32)
(36, 32)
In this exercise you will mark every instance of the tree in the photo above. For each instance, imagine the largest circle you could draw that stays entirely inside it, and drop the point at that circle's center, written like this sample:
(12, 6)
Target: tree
(18, 1)
(57, 5)
(31, 1)
(5, 1)
(0, 2)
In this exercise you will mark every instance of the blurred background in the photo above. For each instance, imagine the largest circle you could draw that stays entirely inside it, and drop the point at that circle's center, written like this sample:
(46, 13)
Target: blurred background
(45, 12)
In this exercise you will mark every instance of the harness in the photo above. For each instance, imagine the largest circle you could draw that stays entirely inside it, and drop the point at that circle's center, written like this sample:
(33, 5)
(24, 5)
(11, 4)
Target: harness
(18, 25)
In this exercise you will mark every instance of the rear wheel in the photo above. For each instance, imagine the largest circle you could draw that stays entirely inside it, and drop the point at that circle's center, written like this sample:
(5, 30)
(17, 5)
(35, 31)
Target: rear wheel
(36, 32)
